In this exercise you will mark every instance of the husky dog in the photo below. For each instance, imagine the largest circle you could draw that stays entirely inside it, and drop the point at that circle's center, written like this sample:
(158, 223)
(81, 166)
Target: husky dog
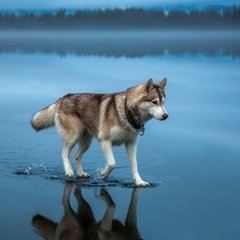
(113, 119)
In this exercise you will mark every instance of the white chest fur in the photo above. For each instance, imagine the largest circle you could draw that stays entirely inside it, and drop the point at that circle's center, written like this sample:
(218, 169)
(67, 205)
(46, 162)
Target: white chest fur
(120, 135)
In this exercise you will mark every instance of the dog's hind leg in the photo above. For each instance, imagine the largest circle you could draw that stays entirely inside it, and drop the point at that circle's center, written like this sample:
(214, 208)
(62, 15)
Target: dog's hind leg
(107, 150)
(69, 128)
(70, 138)
(68, 146)
(83, 145)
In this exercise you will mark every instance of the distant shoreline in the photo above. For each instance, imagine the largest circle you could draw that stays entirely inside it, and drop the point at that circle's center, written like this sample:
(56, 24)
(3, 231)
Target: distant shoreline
(127, 19)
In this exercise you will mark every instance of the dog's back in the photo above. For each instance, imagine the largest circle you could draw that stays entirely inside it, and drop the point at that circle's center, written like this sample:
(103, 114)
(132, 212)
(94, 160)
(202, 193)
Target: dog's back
(83, 110)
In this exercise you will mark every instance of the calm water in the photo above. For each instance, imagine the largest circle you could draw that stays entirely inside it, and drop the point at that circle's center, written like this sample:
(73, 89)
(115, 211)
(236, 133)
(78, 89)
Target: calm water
(192, 159)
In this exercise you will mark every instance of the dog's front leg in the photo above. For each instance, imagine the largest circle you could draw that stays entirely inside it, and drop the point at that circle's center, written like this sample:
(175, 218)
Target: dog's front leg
(107, 150)
(132, 155)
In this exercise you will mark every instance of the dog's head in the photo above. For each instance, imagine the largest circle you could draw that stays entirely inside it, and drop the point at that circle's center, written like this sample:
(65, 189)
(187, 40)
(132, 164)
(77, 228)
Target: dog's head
(149, 98)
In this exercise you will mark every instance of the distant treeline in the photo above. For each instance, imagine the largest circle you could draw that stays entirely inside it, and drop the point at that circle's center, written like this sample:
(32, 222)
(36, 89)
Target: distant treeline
(123, 19)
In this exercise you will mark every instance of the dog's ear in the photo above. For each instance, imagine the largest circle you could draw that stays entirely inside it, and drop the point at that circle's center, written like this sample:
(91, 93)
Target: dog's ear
(148, 85)
(163, 83)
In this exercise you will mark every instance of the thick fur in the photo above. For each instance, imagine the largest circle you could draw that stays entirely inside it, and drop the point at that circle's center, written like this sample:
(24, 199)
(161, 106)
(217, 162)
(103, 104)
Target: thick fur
(82, 225)
(80, 117)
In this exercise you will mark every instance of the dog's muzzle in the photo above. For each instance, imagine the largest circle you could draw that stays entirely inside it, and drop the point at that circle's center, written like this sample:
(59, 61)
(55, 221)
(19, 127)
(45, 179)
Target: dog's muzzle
(164, 116)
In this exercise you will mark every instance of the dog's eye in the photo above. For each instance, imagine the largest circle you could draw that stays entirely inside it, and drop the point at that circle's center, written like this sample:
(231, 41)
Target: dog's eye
(155, 102)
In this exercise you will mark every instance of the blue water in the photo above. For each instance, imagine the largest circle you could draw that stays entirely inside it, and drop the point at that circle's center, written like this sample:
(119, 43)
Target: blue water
(192, 160)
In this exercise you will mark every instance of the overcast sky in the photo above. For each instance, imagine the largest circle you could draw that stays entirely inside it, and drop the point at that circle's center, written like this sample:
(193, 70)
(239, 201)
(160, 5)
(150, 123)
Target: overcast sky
(100, 4)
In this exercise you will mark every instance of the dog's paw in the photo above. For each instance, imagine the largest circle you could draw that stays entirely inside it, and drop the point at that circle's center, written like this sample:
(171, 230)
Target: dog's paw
(83, 175)
(69, 173)
(142, 184)
(103, 175)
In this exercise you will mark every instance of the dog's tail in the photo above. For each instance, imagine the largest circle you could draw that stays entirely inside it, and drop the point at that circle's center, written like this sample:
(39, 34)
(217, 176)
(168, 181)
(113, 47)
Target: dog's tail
(44, 118)
(44, 227)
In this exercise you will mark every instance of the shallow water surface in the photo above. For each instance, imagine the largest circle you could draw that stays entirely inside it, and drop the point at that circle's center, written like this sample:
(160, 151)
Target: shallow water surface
(191, 160)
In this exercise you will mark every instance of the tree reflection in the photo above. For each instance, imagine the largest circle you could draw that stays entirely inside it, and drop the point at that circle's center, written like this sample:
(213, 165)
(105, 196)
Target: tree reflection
(117, 44)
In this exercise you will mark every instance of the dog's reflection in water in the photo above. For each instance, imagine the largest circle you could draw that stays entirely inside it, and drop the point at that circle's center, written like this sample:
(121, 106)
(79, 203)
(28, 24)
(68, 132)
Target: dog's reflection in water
(81, 225)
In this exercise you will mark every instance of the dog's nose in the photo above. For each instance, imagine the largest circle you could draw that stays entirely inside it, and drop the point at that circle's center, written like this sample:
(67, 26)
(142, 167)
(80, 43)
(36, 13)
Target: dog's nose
(165, 116)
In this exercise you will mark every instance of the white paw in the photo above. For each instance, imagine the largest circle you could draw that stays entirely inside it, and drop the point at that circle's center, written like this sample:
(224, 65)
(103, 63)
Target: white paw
(83, 175)
(142, 184)
(69, 173)
(103, 175)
